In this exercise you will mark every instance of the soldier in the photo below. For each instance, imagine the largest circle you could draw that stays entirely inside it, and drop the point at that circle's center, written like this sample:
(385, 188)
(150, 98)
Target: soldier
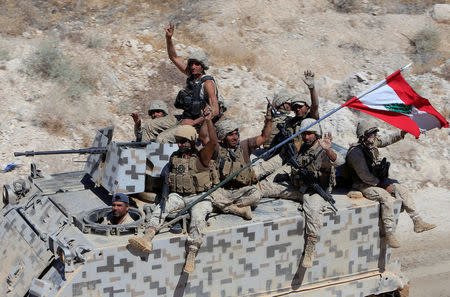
(191, 174)
(160, 121)
(119, 211)
(303, 107)
(317, 156)
(201, 89)
(240, 193)
(369, 175)
(281, 102)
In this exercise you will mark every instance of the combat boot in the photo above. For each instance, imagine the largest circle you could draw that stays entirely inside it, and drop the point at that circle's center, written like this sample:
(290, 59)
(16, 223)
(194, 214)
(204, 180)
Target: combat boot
(144, 244)
(244, 212)
(189, 266)
(309, 251)
(391, 240)
(421, 226)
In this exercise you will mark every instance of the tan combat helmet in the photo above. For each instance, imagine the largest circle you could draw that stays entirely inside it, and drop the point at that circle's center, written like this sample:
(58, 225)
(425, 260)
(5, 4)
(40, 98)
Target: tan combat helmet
(283, 96)
(186, 131)
(200, 57)
(302, 99)
(158, 105)
(365, 128)
(226, 126)
(316, 128)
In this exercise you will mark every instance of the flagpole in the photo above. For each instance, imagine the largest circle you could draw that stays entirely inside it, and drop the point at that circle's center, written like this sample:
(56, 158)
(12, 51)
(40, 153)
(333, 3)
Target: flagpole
(230, 177)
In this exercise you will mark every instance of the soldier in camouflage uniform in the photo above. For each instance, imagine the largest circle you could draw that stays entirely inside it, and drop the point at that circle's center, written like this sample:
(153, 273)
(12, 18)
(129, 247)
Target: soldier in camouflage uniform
(363, 163)
(191, 174)
(304, 107)
(317, 156)
(195, 68)
(282, 104)
(160, 121)
(240, 193)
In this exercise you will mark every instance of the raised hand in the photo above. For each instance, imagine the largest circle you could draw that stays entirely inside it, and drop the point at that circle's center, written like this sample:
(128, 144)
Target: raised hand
(325, 142)
(136, 118)
(169, 30)
(309, 79)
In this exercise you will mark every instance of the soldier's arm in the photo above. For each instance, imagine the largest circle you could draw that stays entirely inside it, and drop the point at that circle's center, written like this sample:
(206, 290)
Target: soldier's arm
(171, 50)
(137, 123)
(210, 89)
(356, 160)
(309, 81)
(267, 129)
(383, 141)
(208, 151)
(325, 143)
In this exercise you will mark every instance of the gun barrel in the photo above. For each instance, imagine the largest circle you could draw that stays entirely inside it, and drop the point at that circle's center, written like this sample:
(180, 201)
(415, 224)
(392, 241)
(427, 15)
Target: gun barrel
(92, 150)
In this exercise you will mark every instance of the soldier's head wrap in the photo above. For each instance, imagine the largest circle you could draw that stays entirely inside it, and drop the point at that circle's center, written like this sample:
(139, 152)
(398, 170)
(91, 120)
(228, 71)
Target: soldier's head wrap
(199, 56)
(158, 105)
(316, 128)
(186, 131)
(365, 128)
(226, 126)
(120, 197)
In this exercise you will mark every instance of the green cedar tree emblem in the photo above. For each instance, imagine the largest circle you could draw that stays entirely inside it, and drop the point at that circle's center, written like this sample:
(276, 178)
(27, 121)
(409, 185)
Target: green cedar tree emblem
(399, 107)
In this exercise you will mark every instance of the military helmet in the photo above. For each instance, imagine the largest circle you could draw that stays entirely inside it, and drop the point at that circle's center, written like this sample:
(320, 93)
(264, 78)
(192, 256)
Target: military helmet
(302, 99)
(201, 57)
(316, 128)
(158, 105)
(365, 128)
(186, 131)
(281, 97)
(226, 126)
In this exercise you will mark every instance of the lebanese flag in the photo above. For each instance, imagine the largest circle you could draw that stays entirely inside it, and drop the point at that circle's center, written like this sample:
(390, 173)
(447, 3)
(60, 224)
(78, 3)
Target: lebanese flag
(395, 102)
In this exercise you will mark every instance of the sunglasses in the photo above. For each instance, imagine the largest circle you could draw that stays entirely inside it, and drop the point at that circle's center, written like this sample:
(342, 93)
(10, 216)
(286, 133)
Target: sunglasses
(182, 140)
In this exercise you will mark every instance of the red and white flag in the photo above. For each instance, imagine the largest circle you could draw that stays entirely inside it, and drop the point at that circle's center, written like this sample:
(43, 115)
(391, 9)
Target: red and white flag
(395, 102)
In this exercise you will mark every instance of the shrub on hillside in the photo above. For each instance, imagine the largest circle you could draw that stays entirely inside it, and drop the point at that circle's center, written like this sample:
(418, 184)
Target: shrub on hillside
(426, 49)
(50, 62)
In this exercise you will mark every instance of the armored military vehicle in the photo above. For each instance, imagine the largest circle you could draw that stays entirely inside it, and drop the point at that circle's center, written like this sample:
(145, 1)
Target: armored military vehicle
(52, 243)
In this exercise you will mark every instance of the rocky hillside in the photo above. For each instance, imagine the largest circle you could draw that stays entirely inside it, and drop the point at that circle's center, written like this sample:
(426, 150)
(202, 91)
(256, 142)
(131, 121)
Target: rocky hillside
(70, 67)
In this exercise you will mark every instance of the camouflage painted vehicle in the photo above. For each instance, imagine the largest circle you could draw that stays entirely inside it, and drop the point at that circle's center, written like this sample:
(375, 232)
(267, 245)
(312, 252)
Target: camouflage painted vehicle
(52, 244)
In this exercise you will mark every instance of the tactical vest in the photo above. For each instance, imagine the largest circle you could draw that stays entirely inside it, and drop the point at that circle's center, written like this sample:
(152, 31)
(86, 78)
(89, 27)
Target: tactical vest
(184, 179)
(379, 168)
(231, 160)
(312, 163)
(191, 102)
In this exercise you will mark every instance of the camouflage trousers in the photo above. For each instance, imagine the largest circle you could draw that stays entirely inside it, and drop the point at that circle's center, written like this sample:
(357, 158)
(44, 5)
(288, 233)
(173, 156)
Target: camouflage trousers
(278, 184)
(267, 167)
(245, 196)
(313, 207)
(153, 129)
(387, 201)
(197, 226)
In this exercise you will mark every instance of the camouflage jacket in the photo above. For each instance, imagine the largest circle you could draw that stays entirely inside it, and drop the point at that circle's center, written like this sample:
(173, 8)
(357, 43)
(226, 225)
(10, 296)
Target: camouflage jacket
(316, 160)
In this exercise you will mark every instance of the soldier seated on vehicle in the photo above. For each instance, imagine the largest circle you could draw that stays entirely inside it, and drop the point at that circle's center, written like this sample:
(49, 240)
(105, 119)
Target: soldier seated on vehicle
(303, 107)
(160, 121)
(282, 104)
(191, 174)
(320, 160)
(119, 211)
(240, 193)
(369, 175)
